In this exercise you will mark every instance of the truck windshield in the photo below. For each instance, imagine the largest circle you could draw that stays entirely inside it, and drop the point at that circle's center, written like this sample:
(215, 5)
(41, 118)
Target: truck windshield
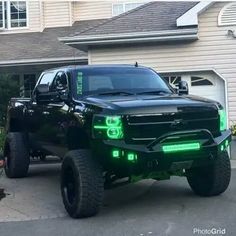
(119, 81)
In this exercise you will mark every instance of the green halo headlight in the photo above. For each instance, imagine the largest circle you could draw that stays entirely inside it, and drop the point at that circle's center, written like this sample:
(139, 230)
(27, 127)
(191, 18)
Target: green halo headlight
(223, 120)
(114, 133)
(107, 127)
(113, 121)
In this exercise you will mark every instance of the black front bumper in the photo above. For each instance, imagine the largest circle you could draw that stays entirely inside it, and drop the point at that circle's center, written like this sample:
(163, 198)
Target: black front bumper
(153, 157)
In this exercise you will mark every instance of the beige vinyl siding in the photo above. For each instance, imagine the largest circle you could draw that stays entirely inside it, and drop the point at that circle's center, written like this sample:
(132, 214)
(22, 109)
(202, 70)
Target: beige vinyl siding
(214, 50)
(34, 15)
(33, 19)
(56, 14)
(92, 10)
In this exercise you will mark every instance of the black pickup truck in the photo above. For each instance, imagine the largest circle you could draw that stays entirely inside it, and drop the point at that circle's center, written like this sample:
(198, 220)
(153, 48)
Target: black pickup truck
(117, 122)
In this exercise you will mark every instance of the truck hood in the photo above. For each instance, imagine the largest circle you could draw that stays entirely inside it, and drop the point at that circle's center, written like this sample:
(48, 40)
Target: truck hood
(144, 104)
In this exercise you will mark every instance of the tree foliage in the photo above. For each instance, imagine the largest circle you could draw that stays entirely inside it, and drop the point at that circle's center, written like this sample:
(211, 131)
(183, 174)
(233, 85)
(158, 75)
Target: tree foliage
(9, 87)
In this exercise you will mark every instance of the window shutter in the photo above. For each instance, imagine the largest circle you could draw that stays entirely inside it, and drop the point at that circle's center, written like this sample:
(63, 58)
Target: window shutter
(227, 15)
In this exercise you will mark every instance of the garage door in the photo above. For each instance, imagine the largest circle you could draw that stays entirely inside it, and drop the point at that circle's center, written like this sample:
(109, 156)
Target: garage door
(208, 85)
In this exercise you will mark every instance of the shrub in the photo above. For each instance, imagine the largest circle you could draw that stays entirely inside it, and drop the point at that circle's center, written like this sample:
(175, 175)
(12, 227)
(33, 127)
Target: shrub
(233, 129)
(2, 139)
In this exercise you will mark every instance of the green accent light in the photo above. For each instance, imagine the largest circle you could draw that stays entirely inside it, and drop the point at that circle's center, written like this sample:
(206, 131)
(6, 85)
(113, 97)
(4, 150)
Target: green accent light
(79, 83)
(222, 147)
(226, 143)
(100, 127)
(223, 120)
(116, 154)
(132, 157)
(180, 147)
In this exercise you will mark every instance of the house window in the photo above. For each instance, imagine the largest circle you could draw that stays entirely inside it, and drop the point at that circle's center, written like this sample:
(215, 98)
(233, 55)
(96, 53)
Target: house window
(2, 15)
(119, 8)
(13, 14)
(199, 81)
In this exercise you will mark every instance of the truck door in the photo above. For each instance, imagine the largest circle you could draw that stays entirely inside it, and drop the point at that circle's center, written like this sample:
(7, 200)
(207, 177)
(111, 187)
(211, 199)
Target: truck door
(48, 122)
(57, 117)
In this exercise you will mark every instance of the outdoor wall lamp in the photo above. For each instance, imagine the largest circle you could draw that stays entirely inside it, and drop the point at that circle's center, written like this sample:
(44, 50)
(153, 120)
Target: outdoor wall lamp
(231, 33)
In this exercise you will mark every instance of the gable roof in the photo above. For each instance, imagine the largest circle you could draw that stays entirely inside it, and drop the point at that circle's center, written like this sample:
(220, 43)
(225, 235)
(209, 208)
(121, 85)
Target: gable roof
(42, 47)
(152, 18)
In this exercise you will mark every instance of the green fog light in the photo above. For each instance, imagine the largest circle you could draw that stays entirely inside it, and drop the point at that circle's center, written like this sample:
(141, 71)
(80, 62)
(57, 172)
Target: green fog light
(116, 154)
(132, 157)
(223, 120)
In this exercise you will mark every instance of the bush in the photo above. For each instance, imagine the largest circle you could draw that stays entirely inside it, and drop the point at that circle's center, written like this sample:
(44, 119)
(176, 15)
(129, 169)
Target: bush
(2, 139)
(233, 129)
(9, 87)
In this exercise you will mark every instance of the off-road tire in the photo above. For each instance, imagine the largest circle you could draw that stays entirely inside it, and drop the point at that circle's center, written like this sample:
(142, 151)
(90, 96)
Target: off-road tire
(16, 152)
(211, 180)
(82, 184)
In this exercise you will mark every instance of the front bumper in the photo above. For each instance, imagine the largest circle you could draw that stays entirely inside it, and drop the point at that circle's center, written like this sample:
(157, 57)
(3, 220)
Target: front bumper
(153, 157)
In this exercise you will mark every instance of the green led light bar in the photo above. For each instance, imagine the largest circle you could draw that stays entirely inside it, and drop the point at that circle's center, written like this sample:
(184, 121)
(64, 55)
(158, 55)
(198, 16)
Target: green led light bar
(223, 120)
(170, 148)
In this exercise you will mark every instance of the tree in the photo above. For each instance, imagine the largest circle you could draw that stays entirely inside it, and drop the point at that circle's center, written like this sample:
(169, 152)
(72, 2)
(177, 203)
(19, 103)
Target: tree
(9, 87)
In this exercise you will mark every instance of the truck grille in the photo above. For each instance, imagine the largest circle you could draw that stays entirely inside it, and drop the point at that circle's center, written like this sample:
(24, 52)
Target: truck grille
(142, 129)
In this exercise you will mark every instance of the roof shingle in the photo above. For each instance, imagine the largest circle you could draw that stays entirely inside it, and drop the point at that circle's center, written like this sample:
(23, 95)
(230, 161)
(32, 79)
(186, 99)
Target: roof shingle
(153, 16)
(42, 45)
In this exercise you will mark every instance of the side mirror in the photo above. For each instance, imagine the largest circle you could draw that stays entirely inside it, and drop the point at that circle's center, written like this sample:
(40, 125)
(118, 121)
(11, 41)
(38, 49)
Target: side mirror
(42, 88)
(183, 88)
(43, 94)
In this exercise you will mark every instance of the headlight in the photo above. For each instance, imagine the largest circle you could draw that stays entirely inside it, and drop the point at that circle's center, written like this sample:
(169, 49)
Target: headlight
(223, 120)
(107, 127)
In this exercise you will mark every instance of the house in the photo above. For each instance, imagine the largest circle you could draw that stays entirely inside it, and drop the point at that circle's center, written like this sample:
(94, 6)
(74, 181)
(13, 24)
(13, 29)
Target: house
(29, 32)
(192, 41)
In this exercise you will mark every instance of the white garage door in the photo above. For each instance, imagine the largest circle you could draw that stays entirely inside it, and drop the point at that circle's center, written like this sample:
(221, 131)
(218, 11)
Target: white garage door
(203, 84)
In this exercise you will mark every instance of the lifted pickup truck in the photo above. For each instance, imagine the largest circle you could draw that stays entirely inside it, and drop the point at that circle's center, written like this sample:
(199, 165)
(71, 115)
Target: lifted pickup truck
(114, 122)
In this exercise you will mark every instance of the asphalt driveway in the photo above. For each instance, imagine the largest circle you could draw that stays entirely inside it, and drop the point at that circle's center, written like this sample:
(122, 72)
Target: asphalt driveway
(33, 206)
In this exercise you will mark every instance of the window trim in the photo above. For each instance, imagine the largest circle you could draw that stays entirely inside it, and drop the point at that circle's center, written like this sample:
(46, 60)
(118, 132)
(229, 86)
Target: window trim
(8, 25)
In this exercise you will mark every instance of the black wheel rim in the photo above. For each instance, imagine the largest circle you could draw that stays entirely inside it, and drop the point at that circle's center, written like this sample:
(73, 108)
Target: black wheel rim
(70, 187)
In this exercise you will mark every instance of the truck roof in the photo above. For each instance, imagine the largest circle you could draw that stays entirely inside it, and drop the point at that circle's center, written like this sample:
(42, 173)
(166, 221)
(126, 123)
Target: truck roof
(76, 67)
